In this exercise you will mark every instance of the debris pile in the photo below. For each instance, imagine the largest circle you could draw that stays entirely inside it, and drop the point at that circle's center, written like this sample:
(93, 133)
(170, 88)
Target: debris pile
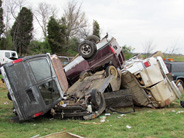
(96, 80)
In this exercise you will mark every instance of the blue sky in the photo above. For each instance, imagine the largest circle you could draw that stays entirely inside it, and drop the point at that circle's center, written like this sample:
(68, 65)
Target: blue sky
(136, 22)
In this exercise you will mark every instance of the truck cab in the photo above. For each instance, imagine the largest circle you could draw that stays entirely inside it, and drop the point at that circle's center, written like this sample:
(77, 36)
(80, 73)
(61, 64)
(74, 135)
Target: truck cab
(176, 69)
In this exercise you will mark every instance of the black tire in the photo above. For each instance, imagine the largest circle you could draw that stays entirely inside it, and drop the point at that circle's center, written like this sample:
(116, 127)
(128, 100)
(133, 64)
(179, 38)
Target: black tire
(93, 38)
(87, 49)
(96, 99)
(111, 70)
(179, 84)
(9, 97)
(182, 103)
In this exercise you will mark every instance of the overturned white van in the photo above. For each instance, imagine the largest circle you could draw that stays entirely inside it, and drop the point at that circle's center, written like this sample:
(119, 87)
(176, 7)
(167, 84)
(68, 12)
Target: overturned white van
(7, 56)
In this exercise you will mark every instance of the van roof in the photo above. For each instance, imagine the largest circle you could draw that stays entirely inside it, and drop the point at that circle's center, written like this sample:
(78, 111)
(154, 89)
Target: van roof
(176, 62)
(7, 51)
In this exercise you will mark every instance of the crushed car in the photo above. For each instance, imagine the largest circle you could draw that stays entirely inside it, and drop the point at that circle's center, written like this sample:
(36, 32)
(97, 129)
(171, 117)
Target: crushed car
(150, 82)
(95, 55)
(38, 84)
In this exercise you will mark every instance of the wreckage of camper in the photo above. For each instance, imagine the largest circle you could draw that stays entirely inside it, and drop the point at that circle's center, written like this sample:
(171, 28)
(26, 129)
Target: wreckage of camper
(97, 80)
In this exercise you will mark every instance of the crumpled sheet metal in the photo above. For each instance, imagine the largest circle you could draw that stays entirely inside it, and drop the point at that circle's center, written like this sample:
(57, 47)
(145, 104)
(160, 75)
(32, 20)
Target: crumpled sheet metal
(150, 85)
(97, 81)
(59, 72)
(139, 96)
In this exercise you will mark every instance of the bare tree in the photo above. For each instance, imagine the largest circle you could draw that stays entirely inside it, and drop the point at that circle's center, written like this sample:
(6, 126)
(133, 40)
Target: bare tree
(42, 15)
(172, 49)
(148, 47)
(74, 20)
(11, 9)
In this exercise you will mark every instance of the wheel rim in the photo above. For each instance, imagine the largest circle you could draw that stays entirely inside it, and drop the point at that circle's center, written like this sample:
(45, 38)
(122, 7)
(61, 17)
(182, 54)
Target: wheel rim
(86, 49)
(180, 86)
(113, 71)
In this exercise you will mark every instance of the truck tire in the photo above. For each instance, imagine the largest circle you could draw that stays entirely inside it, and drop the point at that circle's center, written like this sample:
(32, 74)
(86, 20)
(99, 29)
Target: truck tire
(93, 38)
(179, 84)
(87, 49)
(96, 99)
(111, 70)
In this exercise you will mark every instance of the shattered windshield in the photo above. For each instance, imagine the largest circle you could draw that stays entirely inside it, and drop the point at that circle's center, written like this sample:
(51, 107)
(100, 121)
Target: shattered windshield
(41, 69)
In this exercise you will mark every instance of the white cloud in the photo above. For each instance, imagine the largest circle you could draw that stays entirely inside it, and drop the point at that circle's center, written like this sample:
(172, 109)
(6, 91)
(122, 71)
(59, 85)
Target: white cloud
(133, 22)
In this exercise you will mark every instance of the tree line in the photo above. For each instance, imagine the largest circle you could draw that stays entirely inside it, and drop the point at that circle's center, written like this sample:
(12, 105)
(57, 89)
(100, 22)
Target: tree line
(60, 35)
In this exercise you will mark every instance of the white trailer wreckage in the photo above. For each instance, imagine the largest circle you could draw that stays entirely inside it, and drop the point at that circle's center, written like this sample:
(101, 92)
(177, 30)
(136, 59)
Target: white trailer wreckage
(150, 83)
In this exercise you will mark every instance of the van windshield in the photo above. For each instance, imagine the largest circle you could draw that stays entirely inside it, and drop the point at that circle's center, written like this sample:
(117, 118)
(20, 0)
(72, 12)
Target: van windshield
(41, 69)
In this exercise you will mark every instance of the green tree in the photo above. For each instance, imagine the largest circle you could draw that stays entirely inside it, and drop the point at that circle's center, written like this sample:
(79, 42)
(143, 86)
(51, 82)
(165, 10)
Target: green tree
(37, 47)
(96, 28)
(1, 20)
(56, 35)
(127, 51)
(6, 42)
(22, 31)
(73, 46)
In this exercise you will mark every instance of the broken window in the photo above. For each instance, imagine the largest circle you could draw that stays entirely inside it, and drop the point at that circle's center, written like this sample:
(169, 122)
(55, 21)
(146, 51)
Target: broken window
(41, 69)
(49, 92)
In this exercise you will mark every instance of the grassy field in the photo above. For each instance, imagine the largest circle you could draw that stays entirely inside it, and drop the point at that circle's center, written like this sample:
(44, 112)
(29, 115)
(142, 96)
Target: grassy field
(144, 123)
(175, 57)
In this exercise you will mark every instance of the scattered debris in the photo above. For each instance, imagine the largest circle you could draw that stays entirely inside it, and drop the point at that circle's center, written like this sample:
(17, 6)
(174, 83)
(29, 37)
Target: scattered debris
(179, 112)
(102, 119)
(107, 114)
(87, 123)
(6, 103)
(127, 126)
(51, 119)
(122, 115)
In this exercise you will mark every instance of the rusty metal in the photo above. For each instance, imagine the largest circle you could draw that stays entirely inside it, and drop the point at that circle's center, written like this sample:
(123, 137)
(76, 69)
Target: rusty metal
(59, 72)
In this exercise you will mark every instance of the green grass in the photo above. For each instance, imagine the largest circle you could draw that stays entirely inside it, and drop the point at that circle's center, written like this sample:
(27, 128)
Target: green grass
(145, 123)
(175, 57)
